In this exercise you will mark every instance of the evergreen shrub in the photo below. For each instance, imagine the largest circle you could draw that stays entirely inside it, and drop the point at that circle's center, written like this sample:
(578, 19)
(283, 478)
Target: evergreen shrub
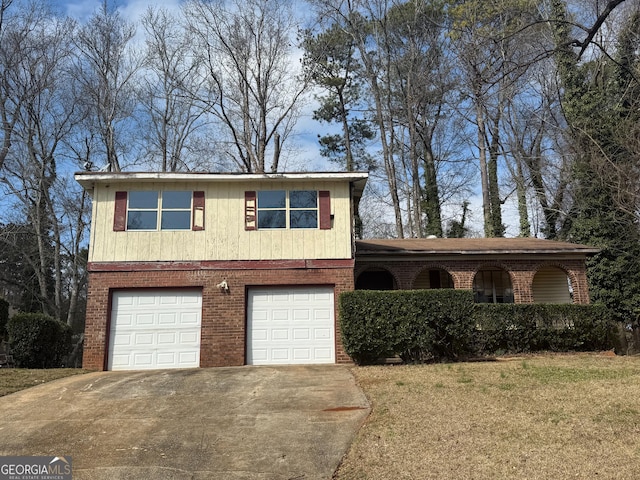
(434, 325)
(4, 317)
(417, 325)
(519, 328)
(38, 341)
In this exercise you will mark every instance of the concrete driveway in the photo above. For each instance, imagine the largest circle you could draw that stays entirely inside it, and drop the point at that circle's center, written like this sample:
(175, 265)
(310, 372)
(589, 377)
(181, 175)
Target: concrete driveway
(216, 423)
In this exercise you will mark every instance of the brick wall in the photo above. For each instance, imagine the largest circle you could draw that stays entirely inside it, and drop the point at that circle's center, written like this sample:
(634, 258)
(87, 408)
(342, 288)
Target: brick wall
(521, 273)
(223, 333)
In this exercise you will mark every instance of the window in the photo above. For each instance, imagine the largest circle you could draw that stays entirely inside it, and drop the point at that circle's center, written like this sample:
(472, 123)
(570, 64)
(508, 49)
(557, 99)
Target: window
(143, 211)
(282, 209)
(150, 210)
(176, 211)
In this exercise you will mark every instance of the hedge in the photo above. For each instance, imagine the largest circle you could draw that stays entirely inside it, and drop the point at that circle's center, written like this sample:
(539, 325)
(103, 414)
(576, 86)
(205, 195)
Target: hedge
(38, 341)
(417, 325)
(4, 317)
(422, 325)
(537, 327)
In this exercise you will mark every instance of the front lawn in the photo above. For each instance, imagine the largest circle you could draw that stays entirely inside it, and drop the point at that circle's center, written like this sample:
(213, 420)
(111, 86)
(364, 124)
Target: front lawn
(14, 379)
(533, 417)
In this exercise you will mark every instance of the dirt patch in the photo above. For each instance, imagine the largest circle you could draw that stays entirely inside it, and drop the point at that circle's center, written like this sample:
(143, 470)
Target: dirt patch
(16, 379)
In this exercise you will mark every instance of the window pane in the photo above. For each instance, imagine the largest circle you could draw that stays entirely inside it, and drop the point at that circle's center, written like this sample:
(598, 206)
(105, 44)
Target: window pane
(271, 219)
(303, 199)
(303, 219)
(176, 220)
(143, 200)
(142, 220)
(176, 200)
(271, 199)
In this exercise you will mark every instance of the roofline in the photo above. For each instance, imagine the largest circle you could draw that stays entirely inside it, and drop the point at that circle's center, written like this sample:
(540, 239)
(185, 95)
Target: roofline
(522, 251)
(89, 179)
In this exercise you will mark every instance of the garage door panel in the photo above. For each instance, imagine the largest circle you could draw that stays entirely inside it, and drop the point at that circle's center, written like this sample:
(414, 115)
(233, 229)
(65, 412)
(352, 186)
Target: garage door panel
(260, 334)
(169, 300)
(280, 315)
(301, 315)
(124, 319)
(167, 338)
(142, 358)
(280, 354)
(323, 353)
(144, 319)
(165, 358)
(145, 300)
(301, 334)
(321, 333)
(119, 362)
(190, 318)
(189, 338)
(143, 339)
(279, 334)
(321, 314)
(165, 319)
(300, 297)
(290, 325)
(155, 329)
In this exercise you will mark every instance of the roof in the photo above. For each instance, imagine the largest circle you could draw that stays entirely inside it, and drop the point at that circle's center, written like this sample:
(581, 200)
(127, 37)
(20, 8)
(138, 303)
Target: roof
(89, 179)
(468, 246)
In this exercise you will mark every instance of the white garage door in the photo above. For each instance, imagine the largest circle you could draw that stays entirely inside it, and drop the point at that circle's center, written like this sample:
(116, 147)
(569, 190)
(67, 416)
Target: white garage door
(155, 329)
(290, 326)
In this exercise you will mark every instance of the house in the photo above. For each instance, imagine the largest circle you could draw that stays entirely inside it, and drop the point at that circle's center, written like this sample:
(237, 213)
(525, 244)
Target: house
(198, 269)
(202, 269)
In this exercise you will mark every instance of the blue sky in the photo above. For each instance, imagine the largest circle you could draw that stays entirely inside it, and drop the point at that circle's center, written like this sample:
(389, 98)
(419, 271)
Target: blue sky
(305, 141)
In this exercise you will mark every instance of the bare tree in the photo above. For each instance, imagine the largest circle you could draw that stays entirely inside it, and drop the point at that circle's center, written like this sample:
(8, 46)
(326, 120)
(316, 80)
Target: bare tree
(105, 69)
(12, 35)
(247, 50)
(45, 116)
(493, 43)
(170, 90)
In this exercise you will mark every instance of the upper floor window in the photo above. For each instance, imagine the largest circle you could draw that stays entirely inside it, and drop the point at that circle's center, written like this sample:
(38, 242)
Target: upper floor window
(164, 210)
(287, 209)
(172, 207)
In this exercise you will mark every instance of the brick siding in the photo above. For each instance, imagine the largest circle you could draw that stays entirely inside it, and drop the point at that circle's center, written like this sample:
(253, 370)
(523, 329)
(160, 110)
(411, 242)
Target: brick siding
(521, 273)
(223, 333)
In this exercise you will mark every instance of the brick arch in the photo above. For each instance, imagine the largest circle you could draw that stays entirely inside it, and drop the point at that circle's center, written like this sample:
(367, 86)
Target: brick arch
(378, 267)
(570, 273)
(514, 277)
(434, 266)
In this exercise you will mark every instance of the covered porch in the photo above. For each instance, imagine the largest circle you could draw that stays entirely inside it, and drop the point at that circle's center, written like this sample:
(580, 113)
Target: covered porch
(498, 270)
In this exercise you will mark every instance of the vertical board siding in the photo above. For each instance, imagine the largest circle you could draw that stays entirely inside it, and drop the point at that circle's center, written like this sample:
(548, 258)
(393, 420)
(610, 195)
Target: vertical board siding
(224, 236)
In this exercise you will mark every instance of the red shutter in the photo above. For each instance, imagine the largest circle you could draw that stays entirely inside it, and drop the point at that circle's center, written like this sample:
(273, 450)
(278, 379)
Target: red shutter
(197, 223)
(120, 214)
(250, 211)
(325, 209)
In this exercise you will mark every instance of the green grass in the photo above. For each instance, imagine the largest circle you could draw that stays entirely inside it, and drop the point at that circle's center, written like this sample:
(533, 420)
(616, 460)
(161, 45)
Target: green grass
(547, 416)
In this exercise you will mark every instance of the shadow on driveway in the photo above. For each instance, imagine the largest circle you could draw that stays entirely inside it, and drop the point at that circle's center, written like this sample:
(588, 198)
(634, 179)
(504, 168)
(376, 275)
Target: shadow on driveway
(293, 422)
